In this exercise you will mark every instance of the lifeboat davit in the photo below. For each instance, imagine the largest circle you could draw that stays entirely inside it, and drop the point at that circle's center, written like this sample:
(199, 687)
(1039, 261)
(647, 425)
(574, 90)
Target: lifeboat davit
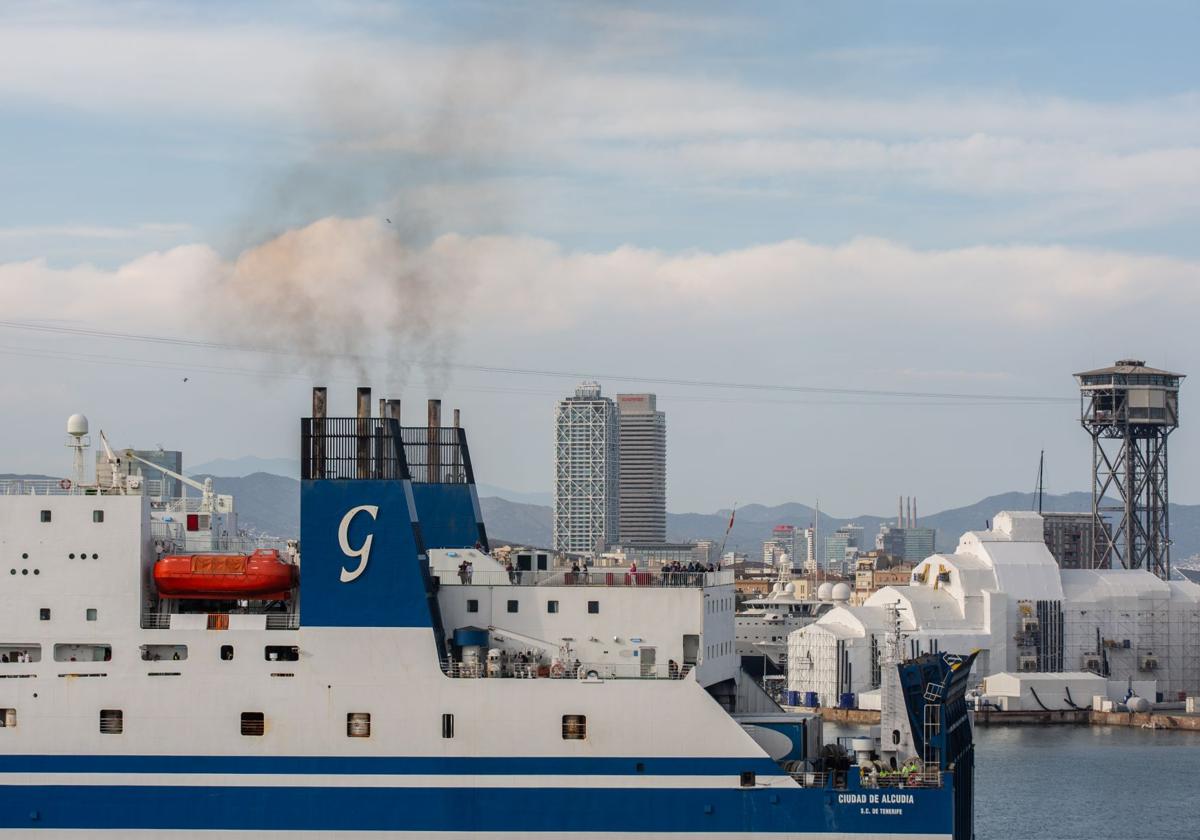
(260, 576)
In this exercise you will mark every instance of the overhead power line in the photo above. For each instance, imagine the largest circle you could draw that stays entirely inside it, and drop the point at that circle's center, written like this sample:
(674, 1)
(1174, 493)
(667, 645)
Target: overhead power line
(942, 397)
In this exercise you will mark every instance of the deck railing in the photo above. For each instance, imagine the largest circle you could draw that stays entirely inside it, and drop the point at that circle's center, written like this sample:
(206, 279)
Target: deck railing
(221, 621)
(380, 448)
(591, 577)
(923, 777)
(583, 671)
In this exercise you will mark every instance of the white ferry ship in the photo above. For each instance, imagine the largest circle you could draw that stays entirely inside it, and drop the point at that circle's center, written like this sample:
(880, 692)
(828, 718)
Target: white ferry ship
(390, 679)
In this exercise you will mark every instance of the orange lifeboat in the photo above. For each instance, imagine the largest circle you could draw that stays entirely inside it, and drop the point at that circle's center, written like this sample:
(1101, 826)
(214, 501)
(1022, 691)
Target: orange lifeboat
(260, 576)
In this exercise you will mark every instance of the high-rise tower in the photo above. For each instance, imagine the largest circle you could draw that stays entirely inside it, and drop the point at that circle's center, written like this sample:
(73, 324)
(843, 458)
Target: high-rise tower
(643, 473)
(586, 477)
(1130, 410)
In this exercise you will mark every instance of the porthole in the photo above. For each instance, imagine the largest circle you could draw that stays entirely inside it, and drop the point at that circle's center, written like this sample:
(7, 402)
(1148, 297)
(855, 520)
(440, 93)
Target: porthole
(574, 727)
(254, 724)
(37, 571)
(71, 556)
(95, 556)
(25, 556)
(112, 721)
(24, 571)
(358, 725)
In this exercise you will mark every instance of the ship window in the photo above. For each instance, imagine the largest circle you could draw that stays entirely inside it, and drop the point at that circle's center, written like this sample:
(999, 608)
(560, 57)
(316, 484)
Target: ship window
(747, 778)
(18, 654)
(281, 653)
(358, 725)
(45, 516)
(512, 606)
(91, 614)
(82, 653)
(472, 605)
(97, 516)
(160, 653)
(253, 723)
(574, 727)
(552, 606)
(447, 725)
(8, 718)
(226, 653)
(112, 721)
(593, 607)
(44, 613)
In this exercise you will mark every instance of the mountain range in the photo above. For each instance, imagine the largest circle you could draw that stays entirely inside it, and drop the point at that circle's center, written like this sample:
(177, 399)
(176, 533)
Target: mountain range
(270, 504)
(530, 524)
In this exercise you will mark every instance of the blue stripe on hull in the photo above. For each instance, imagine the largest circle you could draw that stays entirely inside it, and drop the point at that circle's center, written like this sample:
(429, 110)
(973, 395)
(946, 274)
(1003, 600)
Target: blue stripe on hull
(464, 809)
(386, 765)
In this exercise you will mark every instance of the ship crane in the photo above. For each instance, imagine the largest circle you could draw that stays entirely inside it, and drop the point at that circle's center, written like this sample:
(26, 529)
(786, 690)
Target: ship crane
(114, 466)
(207, 497)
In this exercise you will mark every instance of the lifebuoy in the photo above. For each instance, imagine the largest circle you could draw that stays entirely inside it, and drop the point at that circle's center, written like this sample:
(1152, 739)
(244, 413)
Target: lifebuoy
(914, 779)
(65, 483)
(557, 670)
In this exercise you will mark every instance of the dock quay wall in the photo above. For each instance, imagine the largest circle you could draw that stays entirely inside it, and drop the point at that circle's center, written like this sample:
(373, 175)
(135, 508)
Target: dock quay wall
(1057, 717)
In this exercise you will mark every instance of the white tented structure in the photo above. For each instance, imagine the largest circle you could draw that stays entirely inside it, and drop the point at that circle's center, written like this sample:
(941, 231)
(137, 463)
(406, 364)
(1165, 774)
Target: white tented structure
(1002, 593)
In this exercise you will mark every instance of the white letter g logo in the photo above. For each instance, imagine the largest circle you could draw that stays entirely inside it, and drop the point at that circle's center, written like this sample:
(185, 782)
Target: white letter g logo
(343, 541)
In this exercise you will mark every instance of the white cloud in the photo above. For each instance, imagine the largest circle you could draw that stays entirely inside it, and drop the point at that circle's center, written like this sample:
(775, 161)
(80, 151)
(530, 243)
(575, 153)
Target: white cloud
(497, 109)
(337, 279)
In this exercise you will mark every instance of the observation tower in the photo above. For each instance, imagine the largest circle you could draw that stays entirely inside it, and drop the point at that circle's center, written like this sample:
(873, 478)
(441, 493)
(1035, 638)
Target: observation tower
(1130, 410)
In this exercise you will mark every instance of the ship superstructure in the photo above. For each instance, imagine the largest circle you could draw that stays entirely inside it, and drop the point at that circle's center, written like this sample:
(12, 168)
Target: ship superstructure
(406, 683)
(762, 625)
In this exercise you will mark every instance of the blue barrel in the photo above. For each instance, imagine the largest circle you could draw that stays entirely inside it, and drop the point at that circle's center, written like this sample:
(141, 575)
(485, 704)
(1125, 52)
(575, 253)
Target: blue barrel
(847, 701)
(811, 699)
(793, 698)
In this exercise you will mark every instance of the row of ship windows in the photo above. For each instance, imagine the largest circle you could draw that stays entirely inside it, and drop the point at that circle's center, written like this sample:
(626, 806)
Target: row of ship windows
(82, 556)
(20, 653)
(593, 607)
(47, 516)
(254, 724)
(718, 605)
(719, 649)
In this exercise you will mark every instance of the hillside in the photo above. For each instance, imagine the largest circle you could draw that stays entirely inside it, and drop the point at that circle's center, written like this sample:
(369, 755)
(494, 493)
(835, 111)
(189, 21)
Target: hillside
(270, 504)
(266, 503)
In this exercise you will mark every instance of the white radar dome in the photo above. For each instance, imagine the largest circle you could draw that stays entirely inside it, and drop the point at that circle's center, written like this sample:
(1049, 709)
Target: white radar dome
(1138, 704)
(841, 592)
(77, 425)
(790, 588)
(825, 591)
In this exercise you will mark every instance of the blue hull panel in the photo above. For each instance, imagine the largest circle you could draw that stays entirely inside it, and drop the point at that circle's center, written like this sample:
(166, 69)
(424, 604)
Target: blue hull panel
(435, 809)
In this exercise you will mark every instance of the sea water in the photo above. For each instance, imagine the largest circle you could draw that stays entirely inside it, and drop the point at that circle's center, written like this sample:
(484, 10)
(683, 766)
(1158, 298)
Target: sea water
(1086, 783)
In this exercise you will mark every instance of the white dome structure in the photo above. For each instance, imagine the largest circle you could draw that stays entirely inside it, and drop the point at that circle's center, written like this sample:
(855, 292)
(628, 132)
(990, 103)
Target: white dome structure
(825, 591)
(789, 589)
(77, 425)
(841, 592)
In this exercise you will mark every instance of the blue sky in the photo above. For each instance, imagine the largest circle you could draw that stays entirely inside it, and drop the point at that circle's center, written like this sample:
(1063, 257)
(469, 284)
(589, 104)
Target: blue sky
(946, 197)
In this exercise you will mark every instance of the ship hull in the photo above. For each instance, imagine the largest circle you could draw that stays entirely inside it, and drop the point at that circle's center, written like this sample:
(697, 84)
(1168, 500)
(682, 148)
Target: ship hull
(447, 805)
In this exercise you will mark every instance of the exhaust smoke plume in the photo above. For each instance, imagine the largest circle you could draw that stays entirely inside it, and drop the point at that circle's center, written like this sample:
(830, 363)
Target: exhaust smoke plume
(362, 281)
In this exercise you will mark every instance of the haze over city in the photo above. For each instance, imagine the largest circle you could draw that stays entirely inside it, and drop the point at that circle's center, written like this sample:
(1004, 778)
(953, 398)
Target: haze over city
(943, 213)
